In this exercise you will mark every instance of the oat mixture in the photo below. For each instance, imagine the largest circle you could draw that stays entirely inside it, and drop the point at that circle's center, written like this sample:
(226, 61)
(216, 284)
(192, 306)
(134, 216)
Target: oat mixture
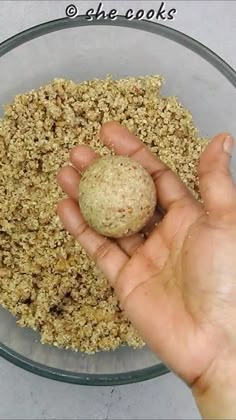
(46, 279)
(117, 196)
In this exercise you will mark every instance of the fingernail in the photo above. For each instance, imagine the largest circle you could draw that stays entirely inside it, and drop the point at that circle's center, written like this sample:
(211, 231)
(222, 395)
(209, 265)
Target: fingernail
(228, 145)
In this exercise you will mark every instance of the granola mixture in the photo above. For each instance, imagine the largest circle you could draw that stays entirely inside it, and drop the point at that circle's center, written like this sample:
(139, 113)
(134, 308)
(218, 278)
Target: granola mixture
(117, 196)
(46, 279)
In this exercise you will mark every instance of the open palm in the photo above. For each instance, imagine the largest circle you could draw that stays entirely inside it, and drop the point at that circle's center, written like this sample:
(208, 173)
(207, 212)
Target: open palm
(178, 285)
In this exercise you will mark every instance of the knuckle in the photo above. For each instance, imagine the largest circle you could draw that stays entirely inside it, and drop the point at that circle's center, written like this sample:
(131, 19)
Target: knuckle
(102, 250)
(159, 172)
(81, 229)
(138, 150)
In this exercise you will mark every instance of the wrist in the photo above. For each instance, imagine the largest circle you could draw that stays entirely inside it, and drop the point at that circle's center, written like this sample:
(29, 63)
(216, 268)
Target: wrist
(215, 390)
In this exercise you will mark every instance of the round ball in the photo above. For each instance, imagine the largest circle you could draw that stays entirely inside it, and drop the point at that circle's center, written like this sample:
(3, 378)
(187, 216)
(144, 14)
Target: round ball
(117, 196)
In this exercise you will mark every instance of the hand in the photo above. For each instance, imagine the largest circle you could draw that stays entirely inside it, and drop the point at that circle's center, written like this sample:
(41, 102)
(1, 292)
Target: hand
(178, 287)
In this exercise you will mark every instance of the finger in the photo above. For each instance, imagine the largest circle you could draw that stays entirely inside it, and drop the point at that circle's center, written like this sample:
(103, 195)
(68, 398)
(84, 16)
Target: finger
(68, 179)
(106, 253)
(170, 189)
(216, 184)
(83, 156)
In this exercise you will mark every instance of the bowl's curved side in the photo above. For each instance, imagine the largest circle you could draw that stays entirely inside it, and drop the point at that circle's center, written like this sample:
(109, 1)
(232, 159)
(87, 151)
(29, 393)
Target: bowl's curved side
(82, 379)
(144, 25)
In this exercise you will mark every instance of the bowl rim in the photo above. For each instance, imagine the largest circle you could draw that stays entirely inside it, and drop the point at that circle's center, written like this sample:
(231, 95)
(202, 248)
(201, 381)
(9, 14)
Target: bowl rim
(157, 29)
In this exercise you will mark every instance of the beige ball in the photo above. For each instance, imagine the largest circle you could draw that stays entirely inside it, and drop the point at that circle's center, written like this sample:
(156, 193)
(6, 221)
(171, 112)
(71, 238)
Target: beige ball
(117, 196)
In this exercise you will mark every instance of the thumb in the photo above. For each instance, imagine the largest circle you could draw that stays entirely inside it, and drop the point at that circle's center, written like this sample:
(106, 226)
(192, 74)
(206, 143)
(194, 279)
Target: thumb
(215, 181)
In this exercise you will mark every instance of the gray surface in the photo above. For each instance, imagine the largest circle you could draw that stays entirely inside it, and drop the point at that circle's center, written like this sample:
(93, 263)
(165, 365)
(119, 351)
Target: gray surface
(23, 395)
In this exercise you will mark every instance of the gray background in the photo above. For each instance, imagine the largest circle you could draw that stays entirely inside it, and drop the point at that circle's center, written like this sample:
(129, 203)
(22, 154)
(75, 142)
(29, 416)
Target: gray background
(23, 395)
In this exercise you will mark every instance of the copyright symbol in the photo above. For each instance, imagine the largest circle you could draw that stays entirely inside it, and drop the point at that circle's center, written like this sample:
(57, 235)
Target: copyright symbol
(71, 11)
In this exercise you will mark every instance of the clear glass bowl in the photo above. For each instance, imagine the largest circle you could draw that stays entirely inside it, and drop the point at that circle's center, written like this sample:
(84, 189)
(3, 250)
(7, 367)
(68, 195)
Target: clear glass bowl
(78, 49)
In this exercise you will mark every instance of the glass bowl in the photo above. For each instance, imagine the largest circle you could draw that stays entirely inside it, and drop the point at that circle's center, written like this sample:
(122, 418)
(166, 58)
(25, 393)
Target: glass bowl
(78, 49)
